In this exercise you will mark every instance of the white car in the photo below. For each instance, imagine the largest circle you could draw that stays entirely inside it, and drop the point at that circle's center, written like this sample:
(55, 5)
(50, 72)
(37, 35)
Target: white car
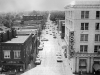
(38, 60)
(59, 59)
(44, 39)
(40, 48)
(58, 54)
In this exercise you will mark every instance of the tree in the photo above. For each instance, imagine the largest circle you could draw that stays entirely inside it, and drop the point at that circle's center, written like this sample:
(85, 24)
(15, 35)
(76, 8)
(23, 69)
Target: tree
(57, 15)
(7, 20)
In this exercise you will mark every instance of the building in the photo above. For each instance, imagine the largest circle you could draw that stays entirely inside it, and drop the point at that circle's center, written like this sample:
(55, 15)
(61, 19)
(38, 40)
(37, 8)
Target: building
(35, 19)
(82, 35)
(35, 38)
(21, 43)
(16, 52)
(61, 28)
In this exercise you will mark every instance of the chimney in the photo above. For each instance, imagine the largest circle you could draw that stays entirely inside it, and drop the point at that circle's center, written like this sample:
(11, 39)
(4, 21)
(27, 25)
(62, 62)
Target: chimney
(3, 37)
(14, 32)
(0, 38)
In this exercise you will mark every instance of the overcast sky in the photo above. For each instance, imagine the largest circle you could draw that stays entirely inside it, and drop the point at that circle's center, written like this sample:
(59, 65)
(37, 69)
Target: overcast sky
(20, 5)
(28, 5)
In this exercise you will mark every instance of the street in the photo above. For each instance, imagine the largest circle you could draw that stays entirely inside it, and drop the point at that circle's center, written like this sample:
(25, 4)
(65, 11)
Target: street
(49, 64)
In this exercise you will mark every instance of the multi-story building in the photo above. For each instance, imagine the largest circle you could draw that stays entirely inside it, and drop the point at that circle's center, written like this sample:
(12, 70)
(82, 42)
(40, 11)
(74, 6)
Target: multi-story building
(82, 35)
(16, 51)
(35, 38)
(31, 20)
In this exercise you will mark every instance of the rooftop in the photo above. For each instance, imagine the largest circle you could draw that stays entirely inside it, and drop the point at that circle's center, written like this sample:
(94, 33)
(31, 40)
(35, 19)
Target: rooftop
(18, 39)
(26, 31)
(84, 3)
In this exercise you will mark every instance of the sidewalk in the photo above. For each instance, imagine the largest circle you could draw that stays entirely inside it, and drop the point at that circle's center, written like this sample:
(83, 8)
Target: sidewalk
(66, 65)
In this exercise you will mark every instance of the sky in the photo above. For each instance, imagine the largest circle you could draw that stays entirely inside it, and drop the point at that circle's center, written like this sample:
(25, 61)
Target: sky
(29, 5)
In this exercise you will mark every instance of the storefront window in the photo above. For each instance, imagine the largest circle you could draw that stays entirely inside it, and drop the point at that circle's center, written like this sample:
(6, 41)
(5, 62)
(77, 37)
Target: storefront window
(6, 54)
(17, 54)
(82, 64)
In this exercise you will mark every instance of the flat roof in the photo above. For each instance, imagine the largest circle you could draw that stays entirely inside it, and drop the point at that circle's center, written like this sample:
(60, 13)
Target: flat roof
(26, 31)
(84, 3)
(18, 39)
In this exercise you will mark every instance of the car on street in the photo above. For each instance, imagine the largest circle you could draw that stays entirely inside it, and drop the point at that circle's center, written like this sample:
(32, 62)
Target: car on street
(37, 61)
(40, 48)
(59, 59)
(54, 36)
(50, 34)
(58, 54)
(44, 39)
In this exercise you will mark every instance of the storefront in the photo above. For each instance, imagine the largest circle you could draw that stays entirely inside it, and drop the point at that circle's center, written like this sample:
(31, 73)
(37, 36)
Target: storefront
(64, 48)
(83, 65)
(96, 66)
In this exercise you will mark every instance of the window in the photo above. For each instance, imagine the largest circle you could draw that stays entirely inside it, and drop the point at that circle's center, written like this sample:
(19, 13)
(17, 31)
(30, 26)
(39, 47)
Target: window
(84, 26)
(6, 54)
(97, 37)
(84, 37)
(97, 26)
(83, 48)
(17, 54)
(84, 14)
(82, 63)
(96, 48)
(97, 14)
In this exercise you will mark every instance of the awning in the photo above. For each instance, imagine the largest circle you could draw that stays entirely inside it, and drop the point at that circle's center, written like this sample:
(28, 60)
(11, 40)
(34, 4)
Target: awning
(96, 67)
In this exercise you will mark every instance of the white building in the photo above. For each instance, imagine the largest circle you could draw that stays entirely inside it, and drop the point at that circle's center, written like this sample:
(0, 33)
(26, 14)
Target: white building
(82, 35)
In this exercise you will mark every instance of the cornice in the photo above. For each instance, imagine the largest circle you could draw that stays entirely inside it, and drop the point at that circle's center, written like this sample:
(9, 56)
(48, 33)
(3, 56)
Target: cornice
(82, 6)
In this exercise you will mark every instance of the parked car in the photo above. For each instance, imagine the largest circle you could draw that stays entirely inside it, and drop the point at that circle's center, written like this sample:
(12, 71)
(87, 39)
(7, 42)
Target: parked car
(58, 54)
(40, 48)
(59, 59)
(38, 61)
(50, 34)
(54, 36)
(44, 39)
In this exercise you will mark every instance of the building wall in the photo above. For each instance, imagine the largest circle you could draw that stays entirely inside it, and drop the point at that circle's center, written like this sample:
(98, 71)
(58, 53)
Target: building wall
(77, 25)
(73, 23)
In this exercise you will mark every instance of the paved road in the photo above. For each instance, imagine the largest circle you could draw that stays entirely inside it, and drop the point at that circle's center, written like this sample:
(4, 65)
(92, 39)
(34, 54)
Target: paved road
(49, 65)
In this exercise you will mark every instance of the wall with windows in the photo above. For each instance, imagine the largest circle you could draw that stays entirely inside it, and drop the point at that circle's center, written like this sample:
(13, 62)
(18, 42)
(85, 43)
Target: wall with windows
(86, 13)
(86, 24)
(82, 29)
(11, 51)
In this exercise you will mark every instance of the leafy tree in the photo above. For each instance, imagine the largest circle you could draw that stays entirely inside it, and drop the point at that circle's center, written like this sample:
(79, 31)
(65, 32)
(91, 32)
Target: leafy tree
(57, 15)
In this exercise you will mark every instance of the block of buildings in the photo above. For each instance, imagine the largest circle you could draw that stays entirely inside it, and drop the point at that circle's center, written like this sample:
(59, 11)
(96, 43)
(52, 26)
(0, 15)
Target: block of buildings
(18, 51)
